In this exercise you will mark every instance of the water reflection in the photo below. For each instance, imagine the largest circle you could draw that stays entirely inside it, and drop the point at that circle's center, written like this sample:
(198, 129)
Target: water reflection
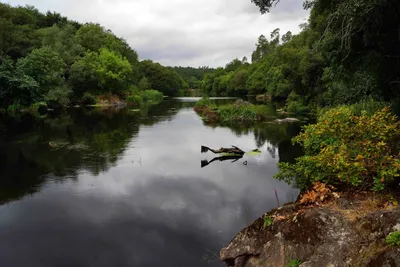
(126, 188)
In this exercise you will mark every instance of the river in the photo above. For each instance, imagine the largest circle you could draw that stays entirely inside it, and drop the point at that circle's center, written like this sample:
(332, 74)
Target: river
(126, 188)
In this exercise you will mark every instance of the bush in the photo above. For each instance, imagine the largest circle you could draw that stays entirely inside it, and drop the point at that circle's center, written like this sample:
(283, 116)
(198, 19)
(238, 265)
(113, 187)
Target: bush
(152, 96)
(295, 104)
(14, 108)
(58, 96)
(88, 99)
(134, 100)
(39, 108)
(241, 111)
(347, 149)
(204, 102)
(393, 239)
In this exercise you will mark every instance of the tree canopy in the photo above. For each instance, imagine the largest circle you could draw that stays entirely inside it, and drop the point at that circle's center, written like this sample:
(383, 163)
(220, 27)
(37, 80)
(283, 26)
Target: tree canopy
(348, 51)
(46, 57)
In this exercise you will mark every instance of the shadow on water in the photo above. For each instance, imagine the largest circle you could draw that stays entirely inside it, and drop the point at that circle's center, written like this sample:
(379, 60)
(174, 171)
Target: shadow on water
(125, 188)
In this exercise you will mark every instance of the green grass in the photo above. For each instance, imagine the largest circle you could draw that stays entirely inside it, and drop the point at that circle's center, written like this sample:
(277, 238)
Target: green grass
(393, 239)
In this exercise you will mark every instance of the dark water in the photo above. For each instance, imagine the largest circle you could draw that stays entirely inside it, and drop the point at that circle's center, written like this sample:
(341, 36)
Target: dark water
(126, 188)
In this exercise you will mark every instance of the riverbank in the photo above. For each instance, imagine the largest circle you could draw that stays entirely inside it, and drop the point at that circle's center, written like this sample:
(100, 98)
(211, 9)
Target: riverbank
(347, 230)
(134, 99)
(348, 214)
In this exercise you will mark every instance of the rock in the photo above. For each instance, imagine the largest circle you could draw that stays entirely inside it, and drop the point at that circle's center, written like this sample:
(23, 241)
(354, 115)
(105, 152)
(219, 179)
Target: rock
(322, 236)
(287, 120)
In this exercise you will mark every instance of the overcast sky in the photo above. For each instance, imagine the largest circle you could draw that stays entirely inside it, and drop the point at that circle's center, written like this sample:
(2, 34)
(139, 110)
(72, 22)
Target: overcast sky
(182, 32)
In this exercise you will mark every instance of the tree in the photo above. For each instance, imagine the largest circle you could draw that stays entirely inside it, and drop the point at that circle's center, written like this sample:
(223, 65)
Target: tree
(44, 66)
(84, 75)
(264, 5)
(114, 71)
(162, 78)
(287, 37)
(62, 41)
(144, 84)
(91, 36)
(233, 65)
(105, 71)
(15, 85)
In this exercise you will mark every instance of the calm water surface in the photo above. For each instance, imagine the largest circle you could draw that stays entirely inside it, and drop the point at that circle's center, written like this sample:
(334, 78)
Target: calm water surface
(126, 188)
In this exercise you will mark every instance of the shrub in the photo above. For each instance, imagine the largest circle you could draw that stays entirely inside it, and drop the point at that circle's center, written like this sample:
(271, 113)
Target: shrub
(347, 149)
(88, 99)
(38, 108)
(58, 95)
(134, 100)
(393, 239)
(295, 104)
(204, 102)
(152, 95)
(14, 108)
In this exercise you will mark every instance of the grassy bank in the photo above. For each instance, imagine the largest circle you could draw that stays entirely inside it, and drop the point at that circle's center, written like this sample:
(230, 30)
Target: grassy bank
(240, 111)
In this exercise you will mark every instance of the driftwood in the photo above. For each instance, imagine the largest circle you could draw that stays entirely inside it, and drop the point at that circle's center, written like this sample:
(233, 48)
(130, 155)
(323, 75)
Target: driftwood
(234, 150)
(233, 154)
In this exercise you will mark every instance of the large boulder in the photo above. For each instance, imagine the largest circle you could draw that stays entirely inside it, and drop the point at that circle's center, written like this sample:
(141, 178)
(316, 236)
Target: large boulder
(317, 236)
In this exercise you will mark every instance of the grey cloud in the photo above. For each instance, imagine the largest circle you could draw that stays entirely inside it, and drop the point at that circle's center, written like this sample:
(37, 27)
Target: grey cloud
(183, 32)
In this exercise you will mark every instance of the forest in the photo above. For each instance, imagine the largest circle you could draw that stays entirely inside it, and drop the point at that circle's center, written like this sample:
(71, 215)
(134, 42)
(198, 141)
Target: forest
(347, 52)
(46, 58)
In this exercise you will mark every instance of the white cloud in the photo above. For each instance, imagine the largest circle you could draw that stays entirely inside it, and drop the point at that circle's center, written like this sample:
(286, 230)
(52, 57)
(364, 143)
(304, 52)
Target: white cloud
(182, 32)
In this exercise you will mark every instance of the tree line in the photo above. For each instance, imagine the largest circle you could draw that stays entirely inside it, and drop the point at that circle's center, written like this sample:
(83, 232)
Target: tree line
(47, 57)
(348, 51)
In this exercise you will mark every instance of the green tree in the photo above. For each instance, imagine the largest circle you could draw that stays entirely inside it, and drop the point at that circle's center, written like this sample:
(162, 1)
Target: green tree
(84, 75)
(91, 36)
(62, 41)
(44, 66)
(113, 71)
(163, 79)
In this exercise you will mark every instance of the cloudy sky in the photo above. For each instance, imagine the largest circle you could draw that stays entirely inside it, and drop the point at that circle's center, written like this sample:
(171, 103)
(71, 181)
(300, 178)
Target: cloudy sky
(182, 32)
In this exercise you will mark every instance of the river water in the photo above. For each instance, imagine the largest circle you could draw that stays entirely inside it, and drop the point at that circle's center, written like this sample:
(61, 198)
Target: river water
(126, 188)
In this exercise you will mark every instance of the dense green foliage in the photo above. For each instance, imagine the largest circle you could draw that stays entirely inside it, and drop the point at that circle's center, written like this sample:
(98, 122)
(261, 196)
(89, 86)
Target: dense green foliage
(348, 148)
(192, 76)
(46, 57)
(152, 96)
(240, 111)
(163, 79)
(347, 52)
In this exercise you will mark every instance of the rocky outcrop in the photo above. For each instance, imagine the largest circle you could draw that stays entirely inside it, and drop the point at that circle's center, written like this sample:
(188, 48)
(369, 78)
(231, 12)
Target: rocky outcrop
(287, 120)
(344, 233)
